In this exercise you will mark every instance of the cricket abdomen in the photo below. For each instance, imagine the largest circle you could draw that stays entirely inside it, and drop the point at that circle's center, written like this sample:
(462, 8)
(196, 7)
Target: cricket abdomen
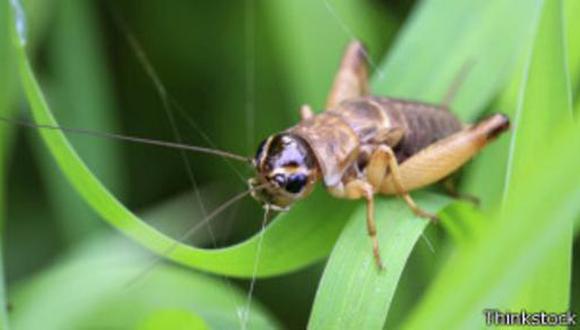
(422, 124)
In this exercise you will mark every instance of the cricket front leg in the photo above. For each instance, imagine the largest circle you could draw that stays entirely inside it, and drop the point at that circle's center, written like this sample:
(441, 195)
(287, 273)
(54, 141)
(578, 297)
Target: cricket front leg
(352, 78)
(383, 158)
(357, 189)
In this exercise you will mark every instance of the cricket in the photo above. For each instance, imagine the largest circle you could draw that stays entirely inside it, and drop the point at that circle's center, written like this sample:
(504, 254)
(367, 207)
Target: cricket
(364, 145)
(288, 164)
(360, 146)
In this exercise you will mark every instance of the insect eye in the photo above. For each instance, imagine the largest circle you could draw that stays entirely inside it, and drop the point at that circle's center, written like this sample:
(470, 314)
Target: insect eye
(279, 179)
(296, 183)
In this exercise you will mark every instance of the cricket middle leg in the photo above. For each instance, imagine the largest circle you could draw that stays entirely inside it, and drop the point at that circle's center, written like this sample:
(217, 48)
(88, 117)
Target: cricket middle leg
(356, 189)
(384, 158)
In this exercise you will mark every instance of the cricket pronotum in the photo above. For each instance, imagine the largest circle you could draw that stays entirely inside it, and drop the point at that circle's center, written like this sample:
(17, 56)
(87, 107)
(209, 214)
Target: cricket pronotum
(362, 145)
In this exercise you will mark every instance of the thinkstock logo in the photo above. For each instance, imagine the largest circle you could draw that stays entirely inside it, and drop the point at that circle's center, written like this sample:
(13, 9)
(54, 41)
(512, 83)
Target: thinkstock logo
(494, 317)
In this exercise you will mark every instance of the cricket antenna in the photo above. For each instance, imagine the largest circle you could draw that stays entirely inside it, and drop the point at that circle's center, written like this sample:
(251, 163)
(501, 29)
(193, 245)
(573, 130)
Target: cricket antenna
(114, 136)
(194, 229)
(457, 82)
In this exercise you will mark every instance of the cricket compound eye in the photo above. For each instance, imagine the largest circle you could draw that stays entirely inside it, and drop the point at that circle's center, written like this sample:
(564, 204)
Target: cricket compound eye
(280, 180)
(295, 183)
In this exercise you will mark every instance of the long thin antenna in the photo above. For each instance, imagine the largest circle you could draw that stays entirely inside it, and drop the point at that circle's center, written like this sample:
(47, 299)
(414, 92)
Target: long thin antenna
(133, 139)
(247, 309)
(194, 229)
(189, 120)
(456, 83)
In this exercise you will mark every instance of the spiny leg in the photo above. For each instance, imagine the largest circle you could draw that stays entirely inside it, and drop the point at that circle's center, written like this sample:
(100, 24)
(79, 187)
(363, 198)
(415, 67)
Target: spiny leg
(352, 78)
(445, 156)
(356, 189)
(372, 227)
(376, 170)
(451, 189)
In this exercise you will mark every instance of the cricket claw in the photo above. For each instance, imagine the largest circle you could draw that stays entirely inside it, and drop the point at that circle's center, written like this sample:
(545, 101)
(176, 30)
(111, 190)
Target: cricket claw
(426, 215)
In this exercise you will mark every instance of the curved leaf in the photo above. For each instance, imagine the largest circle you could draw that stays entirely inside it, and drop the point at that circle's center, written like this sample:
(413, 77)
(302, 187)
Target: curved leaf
(82, 101)
(544, 105)
(440, 37)
(490, 273)
(294, 240)
(522, 260)
(291, 242)
(352, 293)
(101, 293)
(8, 90)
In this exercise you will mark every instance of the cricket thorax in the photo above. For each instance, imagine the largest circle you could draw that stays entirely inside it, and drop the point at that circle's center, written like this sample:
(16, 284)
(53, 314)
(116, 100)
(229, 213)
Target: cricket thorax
(286, 168)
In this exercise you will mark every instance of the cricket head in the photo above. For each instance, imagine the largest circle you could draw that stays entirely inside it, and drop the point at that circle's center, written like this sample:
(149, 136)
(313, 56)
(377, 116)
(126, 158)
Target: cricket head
(286, 171)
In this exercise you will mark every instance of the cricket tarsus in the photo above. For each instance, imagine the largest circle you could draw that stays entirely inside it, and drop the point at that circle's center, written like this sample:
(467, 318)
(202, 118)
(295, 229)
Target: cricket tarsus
(115, 136)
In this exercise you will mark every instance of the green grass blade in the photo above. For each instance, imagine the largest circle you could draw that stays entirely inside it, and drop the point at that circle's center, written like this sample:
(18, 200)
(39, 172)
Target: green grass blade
(486, 176)
(492, 270)
(300, 25)
(291, 242)
(8, 84)
(515, 263)
(572, 24)
(352, 293)
(80, 90)
(110, 299)
(442, 36)
(545, 104)
(4, 310)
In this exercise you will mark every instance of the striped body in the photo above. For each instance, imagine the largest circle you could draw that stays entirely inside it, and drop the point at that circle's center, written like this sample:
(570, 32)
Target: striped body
(343, 138)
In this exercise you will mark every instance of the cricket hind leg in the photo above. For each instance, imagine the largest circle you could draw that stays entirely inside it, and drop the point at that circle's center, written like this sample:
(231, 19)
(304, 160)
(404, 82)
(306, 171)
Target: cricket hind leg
(382, 159)
(352, 78)
(445, 156)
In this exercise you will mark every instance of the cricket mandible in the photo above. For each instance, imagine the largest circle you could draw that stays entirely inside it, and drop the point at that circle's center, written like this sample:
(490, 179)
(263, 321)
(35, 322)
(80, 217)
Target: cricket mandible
(365, 145)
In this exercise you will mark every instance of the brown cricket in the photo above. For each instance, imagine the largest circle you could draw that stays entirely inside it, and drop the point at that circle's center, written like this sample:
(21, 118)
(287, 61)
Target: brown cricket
(364, 145)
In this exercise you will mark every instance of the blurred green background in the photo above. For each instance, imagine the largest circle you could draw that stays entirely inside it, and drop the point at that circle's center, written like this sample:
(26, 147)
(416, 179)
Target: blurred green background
(236, 72)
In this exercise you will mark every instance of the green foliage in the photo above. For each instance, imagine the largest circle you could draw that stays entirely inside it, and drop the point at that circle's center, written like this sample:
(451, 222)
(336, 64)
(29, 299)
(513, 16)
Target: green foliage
(514, 252)
(7, 97)
(352, 293)
(94, 109)
(119, 295)
(497, 271)
(545, 86)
